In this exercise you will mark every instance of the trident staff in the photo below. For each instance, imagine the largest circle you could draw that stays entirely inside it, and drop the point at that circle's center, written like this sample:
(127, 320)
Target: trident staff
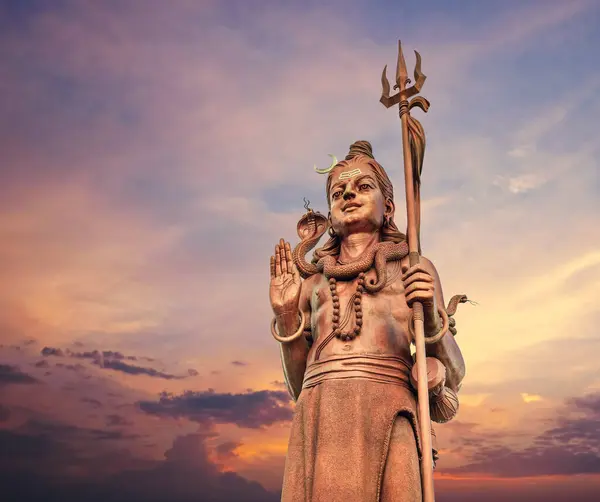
(413, 144)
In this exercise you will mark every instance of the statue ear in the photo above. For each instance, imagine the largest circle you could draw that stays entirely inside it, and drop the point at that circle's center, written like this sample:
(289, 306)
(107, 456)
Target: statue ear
(390, 208)
(330, 229)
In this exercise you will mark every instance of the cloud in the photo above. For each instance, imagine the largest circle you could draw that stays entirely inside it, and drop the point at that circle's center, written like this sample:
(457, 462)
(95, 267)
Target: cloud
(12, 375)
(525, 182)
(549, 489)
(51, 351)
(94, 402)
(4, 413)
(112, 360)
(581, 433)
(72, 433)
(72, 367)
(57, 448)
(571, 446)
(137, 370)
(589, 403)
(114, 420)
(530, 398)
(252, 409)
(226, 450)
(186, 473)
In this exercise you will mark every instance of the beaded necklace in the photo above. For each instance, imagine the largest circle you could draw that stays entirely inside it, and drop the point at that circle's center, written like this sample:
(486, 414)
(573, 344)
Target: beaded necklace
(358, 314)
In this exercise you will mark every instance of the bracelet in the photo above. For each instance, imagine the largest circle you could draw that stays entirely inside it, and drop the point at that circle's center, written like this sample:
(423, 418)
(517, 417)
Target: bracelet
(438, 336)
(291, 338)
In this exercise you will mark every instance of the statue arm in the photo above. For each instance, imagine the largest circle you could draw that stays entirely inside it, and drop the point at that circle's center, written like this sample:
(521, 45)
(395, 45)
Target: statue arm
(446, 350)
(294, 354)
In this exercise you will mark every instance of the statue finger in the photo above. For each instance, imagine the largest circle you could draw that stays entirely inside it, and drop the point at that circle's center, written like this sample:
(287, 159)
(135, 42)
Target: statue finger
(418, 276)
(418, 286)
(272, 267)
(282, 256)
(415, 268)
(277, 261)
(288, 257)
(284, 267)
(292, 268)
(419, 296)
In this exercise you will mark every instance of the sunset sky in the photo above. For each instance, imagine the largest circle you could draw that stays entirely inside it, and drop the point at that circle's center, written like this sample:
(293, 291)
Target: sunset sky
(153, 152)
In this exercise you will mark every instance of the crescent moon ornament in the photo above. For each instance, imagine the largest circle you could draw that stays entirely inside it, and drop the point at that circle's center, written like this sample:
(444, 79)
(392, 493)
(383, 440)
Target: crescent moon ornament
(333, 163)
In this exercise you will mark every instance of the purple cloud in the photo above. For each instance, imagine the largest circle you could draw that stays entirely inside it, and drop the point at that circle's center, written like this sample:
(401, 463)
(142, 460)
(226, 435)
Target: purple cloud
(12, 375)
(252, 409)
(109, 359)
(571, 446)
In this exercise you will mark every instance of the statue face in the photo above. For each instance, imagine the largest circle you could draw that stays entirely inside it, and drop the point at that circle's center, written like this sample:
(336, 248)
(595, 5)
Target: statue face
(357, 204)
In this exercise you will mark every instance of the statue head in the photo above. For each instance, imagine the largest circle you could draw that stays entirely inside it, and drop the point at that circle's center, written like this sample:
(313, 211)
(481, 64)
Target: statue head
(360, 196)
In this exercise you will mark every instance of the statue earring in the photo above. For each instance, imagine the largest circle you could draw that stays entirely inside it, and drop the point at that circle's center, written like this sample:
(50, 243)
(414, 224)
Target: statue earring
(330, 229)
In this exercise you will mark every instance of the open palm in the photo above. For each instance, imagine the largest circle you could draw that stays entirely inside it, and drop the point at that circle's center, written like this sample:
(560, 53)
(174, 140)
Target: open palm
(285, 280)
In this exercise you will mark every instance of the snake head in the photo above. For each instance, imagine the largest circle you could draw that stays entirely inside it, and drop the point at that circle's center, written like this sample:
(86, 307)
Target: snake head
(312, 224)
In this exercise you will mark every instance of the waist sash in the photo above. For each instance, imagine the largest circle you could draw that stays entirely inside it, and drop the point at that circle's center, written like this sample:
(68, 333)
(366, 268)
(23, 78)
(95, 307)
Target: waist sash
(377, 367)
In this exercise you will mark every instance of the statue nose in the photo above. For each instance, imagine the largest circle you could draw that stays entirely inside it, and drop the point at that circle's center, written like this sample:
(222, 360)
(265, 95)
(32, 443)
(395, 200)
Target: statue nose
(349, 194)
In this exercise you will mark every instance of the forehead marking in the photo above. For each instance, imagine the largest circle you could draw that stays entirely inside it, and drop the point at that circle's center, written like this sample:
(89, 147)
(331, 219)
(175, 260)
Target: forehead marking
(349, 174)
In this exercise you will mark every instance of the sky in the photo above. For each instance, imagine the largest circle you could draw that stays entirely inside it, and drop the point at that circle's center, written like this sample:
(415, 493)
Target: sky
(152, 154)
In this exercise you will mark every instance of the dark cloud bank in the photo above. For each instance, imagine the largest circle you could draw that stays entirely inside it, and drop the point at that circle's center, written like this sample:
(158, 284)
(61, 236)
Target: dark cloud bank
(571, 446)
(50, 461)
(13, 375)
(252, 409)
(113, 360)
(28, 473)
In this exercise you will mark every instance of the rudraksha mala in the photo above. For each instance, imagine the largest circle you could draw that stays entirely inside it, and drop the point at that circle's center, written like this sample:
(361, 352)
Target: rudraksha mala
(358, 314)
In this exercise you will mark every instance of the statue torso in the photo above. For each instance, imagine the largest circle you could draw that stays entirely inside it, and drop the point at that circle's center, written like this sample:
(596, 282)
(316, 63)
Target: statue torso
(385, 317)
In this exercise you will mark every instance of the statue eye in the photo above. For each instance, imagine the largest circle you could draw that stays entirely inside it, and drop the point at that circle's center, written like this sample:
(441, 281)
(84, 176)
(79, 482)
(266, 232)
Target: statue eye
(364, 186)
(336, 194)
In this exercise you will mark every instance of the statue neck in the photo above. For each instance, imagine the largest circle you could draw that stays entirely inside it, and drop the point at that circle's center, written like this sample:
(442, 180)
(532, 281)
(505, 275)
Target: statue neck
(353, 246)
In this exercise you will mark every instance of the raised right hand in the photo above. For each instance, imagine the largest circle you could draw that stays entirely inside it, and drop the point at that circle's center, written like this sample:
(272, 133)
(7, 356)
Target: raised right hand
(285, 281)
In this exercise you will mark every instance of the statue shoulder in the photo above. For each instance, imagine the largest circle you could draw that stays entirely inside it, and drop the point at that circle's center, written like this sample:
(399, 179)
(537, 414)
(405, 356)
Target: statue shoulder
(427, 263)
(430, 267)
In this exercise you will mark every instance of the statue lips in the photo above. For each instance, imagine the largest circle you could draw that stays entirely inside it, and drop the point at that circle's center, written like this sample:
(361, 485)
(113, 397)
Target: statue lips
(350, 206)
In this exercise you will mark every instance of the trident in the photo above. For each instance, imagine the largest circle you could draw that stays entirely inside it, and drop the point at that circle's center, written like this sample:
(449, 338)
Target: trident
(413, 144)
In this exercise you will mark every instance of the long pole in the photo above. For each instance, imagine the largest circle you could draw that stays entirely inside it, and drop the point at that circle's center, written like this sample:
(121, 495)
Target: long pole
(419, 328)
(413, 246)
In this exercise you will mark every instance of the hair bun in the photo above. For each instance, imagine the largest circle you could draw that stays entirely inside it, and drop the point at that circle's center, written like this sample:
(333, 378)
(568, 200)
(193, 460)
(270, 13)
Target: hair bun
(360, 148)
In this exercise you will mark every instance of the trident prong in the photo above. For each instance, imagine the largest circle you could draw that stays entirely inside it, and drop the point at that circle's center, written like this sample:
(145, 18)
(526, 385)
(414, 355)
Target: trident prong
(402, 81)
(401, 73)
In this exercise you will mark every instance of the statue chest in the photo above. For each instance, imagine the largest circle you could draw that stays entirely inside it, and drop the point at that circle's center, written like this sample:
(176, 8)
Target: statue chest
(384, 316)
